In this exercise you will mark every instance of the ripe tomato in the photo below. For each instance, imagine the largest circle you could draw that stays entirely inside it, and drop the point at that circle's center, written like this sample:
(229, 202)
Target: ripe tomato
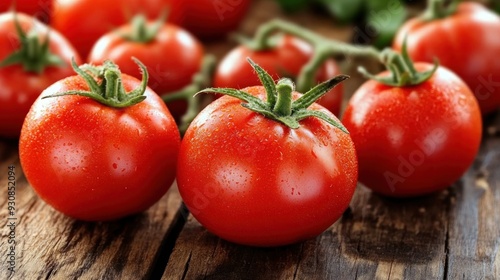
(172, 56)
(41, 9)
(209, 19)
(254, 180)
(414, 140)
(23, 81)
(94, 162)
(84, 21)
(463, 42)
(287, 59)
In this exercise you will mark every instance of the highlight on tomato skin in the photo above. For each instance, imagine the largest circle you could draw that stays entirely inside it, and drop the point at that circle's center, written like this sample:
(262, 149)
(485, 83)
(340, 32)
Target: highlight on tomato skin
(414, 140)
(267, 177)
(99, 153)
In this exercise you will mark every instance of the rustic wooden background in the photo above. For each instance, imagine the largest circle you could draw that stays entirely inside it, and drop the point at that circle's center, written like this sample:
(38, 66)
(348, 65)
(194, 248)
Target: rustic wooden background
(453, 234)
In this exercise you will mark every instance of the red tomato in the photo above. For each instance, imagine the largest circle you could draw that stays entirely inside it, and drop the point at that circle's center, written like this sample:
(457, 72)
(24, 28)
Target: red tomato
(463, 42)
(414, 140)
(172, 57)
(40, 9)
(211, 19)
(287, 59)
(84, 21)
(20, 86)
(93, 162)
(255, 181)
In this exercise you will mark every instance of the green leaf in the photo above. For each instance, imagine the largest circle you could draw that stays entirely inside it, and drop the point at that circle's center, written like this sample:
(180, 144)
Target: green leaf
(317, 92)
(292, 6)
(267, 81)
(496, 6)
(235, 93)
(302, 114)
(384, 18)
(344, 11)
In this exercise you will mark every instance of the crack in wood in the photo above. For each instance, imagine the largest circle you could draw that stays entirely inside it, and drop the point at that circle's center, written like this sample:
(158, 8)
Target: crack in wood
(297, 264)
(186, 267)
(447, 242)
(168, 243)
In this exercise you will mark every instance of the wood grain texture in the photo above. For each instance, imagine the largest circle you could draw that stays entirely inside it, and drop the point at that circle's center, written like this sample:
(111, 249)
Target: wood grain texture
(53, 246)
(474, 227)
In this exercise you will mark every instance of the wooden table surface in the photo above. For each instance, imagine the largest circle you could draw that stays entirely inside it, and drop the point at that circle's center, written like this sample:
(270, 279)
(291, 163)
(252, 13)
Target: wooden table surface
(453, 234)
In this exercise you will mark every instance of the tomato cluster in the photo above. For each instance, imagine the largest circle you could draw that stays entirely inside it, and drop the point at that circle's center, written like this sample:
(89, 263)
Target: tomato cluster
(266, 164)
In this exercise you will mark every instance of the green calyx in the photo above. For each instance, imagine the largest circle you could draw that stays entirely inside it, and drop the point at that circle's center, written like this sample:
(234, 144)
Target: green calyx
(33, 54)
(437, 9)
(280, 105)
(142, 31)
(403, 72)
(105, 85)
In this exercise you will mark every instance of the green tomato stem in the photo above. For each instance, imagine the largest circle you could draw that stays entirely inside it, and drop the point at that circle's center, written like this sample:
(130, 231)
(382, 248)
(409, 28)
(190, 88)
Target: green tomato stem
(324, 48)
(400, 65)
(283, 106)
(436, 9)
(403, 72)
(142, 31)
(107, 88)
(200, 80)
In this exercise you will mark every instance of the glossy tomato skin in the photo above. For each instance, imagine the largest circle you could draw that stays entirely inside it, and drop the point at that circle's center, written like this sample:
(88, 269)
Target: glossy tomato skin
(20, 88)
(173, 57)
(93, 162)
(414, 140)
(254, 181)
(213, 19)
(83, 22)
(285, 60)
(464, 43)
(41, 9)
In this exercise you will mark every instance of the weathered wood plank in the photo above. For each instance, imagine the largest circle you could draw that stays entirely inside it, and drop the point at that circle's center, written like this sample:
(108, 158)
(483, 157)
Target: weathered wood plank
(200, 255)
(383, 238)
(379, 238)
(474, 236)
(50, 245)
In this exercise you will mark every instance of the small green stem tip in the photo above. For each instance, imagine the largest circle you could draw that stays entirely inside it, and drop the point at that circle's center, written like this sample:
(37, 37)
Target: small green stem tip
(436, 9)
(280, 105)
(142, 31)
(106, 86)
